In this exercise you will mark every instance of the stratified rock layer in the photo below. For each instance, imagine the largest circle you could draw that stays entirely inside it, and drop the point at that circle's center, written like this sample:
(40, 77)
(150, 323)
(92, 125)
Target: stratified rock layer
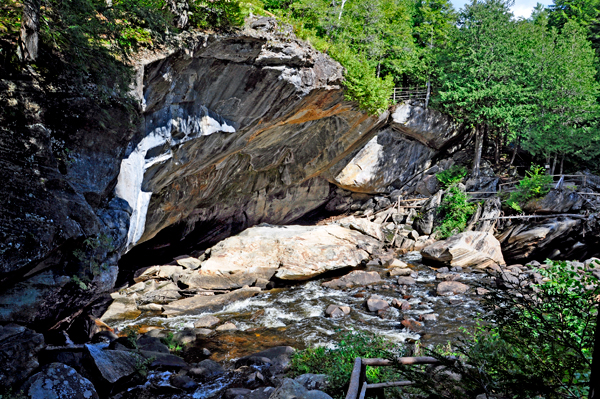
(472, 248)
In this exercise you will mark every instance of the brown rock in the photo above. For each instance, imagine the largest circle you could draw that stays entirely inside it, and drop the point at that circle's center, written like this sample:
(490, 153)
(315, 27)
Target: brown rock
(206, 321)
(451, 287)
(201, 304)
(467, 249)
(375, 304)
(353, 279)
(406, 281)
(412, 325)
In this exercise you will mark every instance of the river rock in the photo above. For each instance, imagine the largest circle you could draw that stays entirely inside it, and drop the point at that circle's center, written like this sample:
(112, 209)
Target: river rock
(335, 311)
(110, 367)
(412, 325)
(207, 370)
(451, 287)
(352, 279)
(313, 381)
(228, 326)
(201, 304)
(224, 281)
(406, 281)
(183, 382)
(375, 304)
(152, 344)
(162, 296)
(19, 347)
(398, 271)
(397, 263)
(292, 389)
(471, 248)
(59, 381)
(363, 225)
(290, 252)
(188, 262)
(164, 361)
(424, 224)
(122, 308)
(278, 358)
(206, 321)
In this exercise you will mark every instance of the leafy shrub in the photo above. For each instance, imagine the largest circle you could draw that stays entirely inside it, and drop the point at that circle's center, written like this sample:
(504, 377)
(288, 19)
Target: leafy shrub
(171, 343)
(534, 185)
(452, 175)
(454, 212)
(535, 340)
(216, 14)
(338, 362)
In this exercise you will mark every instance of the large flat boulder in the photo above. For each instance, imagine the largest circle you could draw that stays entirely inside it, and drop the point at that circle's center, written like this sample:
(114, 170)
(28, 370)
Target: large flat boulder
(472, 248)
(201, 304)
(290, 252)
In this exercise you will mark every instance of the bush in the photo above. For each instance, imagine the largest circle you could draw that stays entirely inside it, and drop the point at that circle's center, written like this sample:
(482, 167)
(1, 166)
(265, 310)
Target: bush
(452, 175)
(338, 362)
(535, 340)
(216, 14)
(534, 185)
(454, 212)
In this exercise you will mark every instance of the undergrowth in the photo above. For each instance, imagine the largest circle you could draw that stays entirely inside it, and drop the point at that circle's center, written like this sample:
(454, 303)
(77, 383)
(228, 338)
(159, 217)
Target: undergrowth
(452, 175)
(454, 212)
(534, 185)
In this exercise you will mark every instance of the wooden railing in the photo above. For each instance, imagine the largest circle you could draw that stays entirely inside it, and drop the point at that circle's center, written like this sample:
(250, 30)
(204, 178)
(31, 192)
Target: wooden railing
(408, 93)
(358, 380)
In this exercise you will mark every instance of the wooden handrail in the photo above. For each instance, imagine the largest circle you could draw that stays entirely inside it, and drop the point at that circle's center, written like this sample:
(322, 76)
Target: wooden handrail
(358, 384)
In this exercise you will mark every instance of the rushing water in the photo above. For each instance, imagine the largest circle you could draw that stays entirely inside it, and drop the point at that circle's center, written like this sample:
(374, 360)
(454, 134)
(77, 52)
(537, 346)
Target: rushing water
(296, 315)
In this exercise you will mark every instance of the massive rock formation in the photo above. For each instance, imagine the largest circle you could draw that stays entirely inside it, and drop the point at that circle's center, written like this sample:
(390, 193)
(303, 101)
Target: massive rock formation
(232, 130)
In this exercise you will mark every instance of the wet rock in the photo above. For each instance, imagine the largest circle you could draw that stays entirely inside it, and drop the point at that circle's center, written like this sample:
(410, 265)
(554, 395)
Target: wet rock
(429, 317)
(185, 336)
(203, 331)
(122, 308)
(397, 271)
(465, 249)
(207, 370)
(164, 361)
(233, 393)
(290, 252)
(278, 358)
(162, 296)
(206, 321)
(481, 291)
(59, 381)
(19, 347)
(397, 263)
(262, 283)
(447, 276)
(183, 382)
(201, 304)
(352, 279)
(412, 325)
(335, 311)
(151, 307)
(406, 281)
(254, 380)
(229, 326)
(376, 303)
(451, 287)
(313, 381)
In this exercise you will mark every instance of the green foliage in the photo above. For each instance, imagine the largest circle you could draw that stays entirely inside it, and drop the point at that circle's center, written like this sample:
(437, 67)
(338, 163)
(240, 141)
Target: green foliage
(171, 343)
(143, 366)
(10, 17)
(90, 255)
(338, 362)
(454, 212)
(132, 336)
(452, 175)
(534, 339)
(216, 14)
(82, 286)
(535, 184)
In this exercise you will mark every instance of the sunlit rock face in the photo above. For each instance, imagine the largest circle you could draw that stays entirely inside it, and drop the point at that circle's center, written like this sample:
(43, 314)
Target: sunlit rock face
(404, 148)
(237, 131)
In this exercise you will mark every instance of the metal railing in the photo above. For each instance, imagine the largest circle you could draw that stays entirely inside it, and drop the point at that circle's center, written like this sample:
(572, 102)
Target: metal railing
(358, 380)
(408, 93)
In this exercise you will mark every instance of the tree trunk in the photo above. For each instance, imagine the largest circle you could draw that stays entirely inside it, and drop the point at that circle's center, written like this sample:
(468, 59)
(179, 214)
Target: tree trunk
(497, 149)
(180, 9)
(562, 161)
(341, 9)
(478, 150)
(553, 164)
(515, 150)
(30, 27)
(428, 91)
(595, 373)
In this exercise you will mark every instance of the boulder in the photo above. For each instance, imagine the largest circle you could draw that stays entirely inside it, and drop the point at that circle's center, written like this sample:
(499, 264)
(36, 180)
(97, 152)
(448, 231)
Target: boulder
(164, 361)
(122, 308)
(313, 381)
(451, 287)
(59, 381)
(152, 344)
(110, 367)
(471, 248)
(397, 263)
(290, 252)
(424, 224)
(206, 321)
(376, 303)
(223, 281)
(207, 370)
(188, 262)
(405, 280)
(228, 326)
(363, 225)
(352, 279)
(556, 201)
(335, 311)
(398, 271)
(292, 389)
(19, 347)
(201, 304)
(412, 325)
(278, 358)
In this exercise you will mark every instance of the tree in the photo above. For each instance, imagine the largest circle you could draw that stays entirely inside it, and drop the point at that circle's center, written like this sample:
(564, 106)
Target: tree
(30, 27)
